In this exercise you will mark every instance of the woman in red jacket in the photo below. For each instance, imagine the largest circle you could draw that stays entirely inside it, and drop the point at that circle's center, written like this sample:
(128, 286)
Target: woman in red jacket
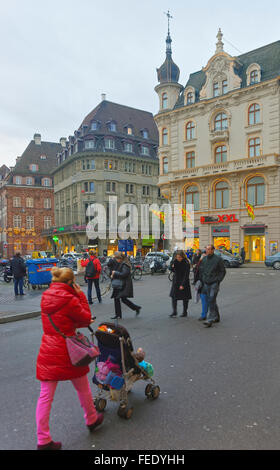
(69, 309)
(92, 275)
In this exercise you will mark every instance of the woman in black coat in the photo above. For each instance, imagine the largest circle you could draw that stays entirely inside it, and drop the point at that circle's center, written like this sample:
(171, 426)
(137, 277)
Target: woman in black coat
(180, 289)
(122, 272)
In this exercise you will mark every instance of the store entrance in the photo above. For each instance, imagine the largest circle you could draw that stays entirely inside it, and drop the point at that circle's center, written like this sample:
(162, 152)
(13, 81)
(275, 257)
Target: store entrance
(255, 248)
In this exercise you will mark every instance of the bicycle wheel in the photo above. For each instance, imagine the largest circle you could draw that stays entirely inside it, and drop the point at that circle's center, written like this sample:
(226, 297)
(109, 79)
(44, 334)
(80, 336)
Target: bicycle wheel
(137, 274)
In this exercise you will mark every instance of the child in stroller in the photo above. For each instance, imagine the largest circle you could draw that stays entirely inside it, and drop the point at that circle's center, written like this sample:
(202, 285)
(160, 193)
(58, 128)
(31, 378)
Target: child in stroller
(119, 369)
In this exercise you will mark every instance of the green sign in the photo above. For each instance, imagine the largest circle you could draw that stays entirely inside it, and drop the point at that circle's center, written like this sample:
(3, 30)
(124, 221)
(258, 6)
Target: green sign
(55, 239)
(148, 241)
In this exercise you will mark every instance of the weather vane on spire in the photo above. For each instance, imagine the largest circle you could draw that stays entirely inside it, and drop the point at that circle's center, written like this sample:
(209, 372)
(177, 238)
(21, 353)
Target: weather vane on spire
(169, 18)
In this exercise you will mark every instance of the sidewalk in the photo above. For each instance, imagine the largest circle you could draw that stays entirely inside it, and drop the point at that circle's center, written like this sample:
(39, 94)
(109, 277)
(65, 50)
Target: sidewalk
(17, 308)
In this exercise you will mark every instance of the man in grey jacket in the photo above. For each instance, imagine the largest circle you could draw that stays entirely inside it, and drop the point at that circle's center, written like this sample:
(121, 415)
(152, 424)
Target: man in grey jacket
(213, 272)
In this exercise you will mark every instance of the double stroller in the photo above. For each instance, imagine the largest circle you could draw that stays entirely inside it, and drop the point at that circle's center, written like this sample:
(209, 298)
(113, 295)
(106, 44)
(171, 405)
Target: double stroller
(114, 342)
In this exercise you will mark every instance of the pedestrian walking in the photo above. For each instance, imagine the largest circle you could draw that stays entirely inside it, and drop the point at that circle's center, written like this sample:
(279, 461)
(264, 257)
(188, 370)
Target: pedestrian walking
(199, 288)
(92, 275)
(213, 272)
(180, 289)
(18, 271)
(69, 309)
(122, 285)
(243, 254)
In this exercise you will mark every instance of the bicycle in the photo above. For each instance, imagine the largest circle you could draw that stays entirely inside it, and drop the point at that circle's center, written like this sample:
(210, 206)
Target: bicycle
(136, 272)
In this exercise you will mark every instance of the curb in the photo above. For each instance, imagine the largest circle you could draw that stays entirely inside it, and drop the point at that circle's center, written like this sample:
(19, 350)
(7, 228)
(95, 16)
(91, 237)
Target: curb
(24, 316)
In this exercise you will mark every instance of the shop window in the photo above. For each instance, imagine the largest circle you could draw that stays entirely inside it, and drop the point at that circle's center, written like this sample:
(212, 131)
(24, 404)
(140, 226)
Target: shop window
(190, 131)
(221, 154)
(254, 147)
(192, 196)
(254, 114)
(256, 191)
(222, 195)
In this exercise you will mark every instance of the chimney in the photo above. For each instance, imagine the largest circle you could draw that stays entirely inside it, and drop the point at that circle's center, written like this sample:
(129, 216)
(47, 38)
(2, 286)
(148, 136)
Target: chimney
(37, 138)
(62, 141)
(103, 96)
(18, 159)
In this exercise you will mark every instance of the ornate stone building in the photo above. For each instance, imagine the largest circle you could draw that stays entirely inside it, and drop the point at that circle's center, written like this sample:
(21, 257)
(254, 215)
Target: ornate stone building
(219, 146)
(113, 153)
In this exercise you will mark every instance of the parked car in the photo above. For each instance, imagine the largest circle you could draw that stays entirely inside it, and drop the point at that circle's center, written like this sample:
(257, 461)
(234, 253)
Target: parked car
(73, 256)
(273, 261)
(230, 261)
(153, 254)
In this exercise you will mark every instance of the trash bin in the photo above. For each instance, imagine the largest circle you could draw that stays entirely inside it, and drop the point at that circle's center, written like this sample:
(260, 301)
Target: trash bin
(39, 271)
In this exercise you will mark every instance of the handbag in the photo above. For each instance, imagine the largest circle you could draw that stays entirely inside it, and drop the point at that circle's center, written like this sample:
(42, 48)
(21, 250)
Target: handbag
(80, 349)
(117, 284)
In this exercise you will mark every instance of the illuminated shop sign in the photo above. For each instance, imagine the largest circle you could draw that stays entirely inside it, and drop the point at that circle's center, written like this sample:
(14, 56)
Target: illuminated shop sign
(219, 219)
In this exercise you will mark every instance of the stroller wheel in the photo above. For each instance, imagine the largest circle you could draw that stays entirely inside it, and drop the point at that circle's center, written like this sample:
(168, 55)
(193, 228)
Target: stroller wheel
(125, 412)
(100, 404)
(155, 392)
(148, 390)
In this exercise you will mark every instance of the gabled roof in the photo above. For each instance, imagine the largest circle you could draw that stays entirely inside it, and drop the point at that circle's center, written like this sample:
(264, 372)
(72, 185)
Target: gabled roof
(267, 57)
(122, 116)
(4, 170)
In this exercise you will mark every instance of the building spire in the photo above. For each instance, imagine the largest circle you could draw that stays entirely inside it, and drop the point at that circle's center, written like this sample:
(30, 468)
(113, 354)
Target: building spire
(219, 44)
(168, 39)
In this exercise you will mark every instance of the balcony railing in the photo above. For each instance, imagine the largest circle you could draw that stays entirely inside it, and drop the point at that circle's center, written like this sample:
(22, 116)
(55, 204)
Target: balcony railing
(263, 161)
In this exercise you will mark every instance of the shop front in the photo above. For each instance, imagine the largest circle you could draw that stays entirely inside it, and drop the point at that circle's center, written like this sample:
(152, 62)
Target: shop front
(254, 242)
(192, 239)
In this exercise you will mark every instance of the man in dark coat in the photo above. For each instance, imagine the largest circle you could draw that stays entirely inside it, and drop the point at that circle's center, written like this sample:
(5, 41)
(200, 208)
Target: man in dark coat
(180, 289)
(122, 273)
(213, 272)
(19, 271)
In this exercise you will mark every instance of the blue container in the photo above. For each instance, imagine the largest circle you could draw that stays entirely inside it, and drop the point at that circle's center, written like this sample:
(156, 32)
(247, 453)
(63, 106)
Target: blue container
(39, 270)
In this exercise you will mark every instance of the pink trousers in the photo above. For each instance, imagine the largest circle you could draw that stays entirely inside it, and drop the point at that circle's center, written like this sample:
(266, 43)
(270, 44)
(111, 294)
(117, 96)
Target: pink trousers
(45, 403)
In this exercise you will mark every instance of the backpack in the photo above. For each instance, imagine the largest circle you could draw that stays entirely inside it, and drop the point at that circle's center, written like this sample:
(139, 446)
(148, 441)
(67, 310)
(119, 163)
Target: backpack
(90, 269)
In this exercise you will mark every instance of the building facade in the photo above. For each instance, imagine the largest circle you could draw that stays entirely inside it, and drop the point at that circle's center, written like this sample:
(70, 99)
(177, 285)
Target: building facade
(113, 153)
(219, 147)
(27, 200)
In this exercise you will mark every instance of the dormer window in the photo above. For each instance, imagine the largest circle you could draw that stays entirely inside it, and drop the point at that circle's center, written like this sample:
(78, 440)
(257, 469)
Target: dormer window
(93, 126)
(112, 126)
(145, 134)
(128, 147)
(43, 157)
(33, 167)
(46, 182)
(253, 74)
(224, 87)
(129, 130)
(89, 144)
(254, 77)
(190, 98)
(215, 89)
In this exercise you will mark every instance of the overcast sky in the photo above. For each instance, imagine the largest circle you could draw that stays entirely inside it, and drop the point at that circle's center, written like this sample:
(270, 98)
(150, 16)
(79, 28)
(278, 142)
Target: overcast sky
(58, 56)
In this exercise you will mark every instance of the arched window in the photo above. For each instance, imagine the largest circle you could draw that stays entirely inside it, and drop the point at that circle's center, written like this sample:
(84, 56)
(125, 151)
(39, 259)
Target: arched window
(164, 165)
(256, 191)
(221, 154)
(164, 100)
(254, 114)
(190, 159)
(190, 131)
(190, 98)
(192, 196)
(164, 136)
(222, 195)
(254, 77)
(254, 147)
(221, 122)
